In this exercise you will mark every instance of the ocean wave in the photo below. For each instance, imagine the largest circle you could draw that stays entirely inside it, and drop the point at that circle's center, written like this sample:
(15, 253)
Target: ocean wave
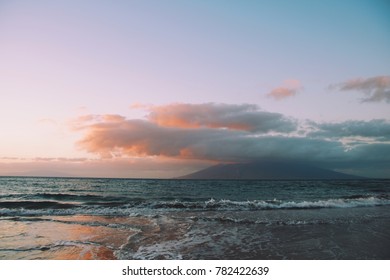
(277, 221)
(225, 204)
(59, 196)
(10, 208)
(62, 197)
(35, 205)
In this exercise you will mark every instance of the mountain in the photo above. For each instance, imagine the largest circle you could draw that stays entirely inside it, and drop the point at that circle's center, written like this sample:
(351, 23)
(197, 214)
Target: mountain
(267, 170)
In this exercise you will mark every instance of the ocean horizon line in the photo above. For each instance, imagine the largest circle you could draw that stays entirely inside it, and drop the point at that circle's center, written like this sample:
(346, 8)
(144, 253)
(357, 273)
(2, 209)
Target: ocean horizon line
(194, 179)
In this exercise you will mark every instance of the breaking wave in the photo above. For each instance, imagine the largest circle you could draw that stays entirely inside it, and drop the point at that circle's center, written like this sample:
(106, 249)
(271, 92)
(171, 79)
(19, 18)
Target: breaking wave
(25, 208)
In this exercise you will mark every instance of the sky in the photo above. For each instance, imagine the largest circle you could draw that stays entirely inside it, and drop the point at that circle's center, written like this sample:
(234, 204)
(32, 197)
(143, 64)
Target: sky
(158, 89)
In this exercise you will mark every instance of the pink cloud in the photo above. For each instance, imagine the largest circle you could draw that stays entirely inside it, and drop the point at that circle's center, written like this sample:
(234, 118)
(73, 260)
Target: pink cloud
(207, 133)
(142, 138)
(245, 117)
(177, 130)
(288, 89)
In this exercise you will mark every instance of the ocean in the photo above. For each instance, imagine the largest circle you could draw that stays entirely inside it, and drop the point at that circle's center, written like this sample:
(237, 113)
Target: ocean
(82, 218)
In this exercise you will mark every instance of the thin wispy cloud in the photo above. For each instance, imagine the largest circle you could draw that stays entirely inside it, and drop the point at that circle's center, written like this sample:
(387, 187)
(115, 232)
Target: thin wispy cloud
(288, 89)
(146, 167)
(376, 89)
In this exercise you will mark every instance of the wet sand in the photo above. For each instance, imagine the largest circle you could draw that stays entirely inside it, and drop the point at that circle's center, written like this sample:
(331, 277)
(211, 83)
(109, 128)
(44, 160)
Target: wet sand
(65, 238)
(359, 233)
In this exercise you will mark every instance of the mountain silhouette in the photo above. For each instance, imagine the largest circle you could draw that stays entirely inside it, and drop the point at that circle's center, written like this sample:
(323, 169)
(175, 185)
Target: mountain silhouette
(267, 170)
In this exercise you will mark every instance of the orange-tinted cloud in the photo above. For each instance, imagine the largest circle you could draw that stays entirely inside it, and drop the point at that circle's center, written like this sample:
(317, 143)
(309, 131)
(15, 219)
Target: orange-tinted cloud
(200, 138)
(377, 89)
(178, 130)
(288, 89)
(245, 117)
(141, 138)
(197, 136)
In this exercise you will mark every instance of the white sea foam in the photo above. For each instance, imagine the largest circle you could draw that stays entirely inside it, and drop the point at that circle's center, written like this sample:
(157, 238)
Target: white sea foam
(157, 208)
(330, 203)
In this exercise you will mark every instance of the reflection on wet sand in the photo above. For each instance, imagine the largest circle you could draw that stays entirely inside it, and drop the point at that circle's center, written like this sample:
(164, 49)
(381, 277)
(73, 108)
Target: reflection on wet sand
(77, 237)
(356, 233)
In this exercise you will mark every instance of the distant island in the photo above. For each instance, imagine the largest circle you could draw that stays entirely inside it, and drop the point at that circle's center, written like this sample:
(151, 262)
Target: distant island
(267, 170)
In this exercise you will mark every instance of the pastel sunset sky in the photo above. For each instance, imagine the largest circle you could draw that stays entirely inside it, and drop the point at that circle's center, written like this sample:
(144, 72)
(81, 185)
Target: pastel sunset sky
(159, 89)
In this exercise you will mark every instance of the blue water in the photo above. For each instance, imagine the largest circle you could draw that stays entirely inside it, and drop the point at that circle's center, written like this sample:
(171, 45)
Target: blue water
(195, 219)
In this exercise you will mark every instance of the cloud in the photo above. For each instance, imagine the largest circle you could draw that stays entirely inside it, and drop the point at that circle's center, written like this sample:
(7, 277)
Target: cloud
(246, 117)
(144, 138)
(378, 129)
(241, 149)
(377, 89)
(83, 121)
(288, 89)
(43, 159)
(206, 132)
(60, 159)
(232, 133)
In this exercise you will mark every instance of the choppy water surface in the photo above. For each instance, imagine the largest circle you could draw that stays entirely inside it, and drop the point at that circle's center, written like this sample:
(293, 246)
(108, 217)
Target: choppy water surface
(72, 218)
